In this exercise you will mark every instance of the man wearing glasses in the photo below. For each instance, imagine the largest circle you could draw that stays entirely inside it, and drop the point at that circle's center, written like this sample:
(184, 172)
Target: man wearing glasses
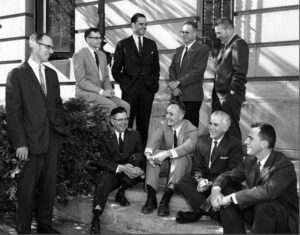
(36, 127)
(186, 72)
(91, 73)
(122, 165)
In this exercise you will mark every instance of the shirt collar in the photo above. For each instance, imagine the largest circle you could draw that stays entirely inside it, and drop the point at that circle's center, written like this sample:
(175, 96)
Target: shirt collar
(177, 129)
(190, 45)
(91, 50)
(225, 45)
(263, 161)
(218, 141)
(34, 64)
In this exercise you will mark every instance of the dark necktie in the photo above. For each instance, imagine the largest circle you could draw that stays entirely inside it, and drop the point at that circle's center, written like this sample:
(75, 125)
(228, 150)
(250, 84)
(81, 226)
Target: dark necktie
(121, 144)
(175, 139)
(257, 170)
(140, 47)
(97, 59)
(42, 80)
(184, 55)
(213, 153)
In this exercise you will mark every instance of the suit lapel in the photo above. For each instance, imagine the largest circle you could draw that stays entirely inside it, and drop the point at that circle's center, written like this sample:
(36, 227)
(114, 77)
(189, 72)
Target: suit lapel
(115, 142)
(180, 138)
(224, 48)
(266, 168)
(208, 141)
(132, 44)
(126, 142)
(91, 59)
(220, 149)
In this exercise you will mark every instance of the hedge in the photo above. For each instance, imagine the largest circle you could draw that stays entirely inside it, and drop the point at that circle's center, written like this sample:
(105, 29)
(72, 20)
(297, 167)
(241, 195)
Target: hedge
(77, 168)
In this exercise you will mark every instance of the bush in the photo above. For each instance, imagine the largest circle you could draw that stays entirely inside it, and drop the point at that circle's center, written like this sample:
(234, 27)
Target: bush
(77, 170)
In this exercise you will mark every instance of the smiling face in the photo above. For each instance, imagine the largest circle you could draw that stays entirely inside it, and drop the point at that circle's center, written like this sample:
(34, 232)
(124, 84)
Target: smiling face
(140, 26)
(216, 127)
(42, 49)
(223, 33)
(119, 122)
(94, 40)
(188, 34)
(254, 144)
(174, 116)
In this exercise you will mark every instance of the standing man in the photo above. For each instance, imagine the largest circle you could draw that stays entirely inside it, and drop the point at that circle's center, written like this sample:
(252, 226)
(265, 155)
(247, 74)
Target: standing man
(122, 165)
(136, 69)
(269, 203)
(172, 143)
(216, 153)
(91, 74)
(187, 72)
(36, 126)
(231, 69)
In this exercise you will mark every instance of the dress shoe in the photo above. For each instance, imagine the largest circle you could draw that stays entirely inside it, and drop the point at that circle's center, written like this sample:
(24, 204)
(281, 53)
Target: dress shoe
(121, 199)
(150, 205)
(163, 209)
(189, 216)
(46, 229)
(95, 227)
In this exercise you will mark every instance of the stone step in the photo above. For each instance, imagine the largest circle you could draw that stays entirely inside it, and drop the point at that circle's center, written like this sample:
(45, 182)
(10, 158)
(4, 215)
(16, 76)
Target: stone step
(131, 220)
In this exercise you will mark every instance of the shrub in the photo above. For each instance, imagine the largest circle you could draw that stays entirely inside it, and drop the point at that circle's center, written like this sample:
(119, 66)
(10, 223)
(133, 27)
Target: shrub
(77, 170)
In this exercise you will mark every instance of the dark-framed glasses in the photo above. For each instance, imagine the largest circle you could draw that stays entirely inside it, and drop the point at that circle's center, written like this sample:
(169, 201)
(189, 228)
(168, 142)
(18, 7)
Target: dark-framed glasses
(97, 38)
(49, 47)
(184, 32)
(121, 119)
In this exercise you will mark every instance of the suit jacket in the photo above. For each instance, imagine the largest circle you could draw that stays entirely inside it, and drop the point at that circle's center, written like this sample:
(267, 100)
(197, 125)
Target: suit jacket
(162, 138)
(277, 181)
(229, 154)
(129, 67)
(87, 75)
(232, 67)
(30, 112)
(111, 157)
(191, 72)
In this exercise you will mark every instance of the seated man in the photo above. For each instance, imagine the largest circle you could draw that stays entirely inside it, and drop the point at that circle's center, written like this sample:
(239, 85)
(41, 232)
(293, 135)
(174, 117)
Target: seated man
(121, 165)
(269, 203)
(172, 142)
(216, 153)
(91, 74)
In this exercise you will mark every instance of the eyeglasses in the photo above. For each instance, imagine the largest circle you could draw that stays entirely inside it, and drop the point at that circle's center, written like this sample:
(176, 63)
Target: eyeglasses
(184, 32)
(97, 38)
(49, 47)
(121, 119)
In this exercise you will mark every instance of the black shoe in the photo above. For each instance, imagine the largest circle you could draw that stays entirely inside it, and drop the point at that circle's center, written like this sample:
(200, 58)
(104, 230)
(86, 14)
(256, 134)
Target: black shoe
(189, 216)
(46, 229)
(150, 205)
(121, 199)
(163, 209)
(95, 227)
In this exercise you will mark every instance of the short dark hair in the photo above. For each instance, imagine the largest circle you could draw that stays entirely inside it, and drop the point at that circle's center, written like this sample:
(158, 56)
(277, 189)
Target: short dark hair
(88, 32)
(179, 104)
(226, 22)
(267, 132)
(135, 17)
(191, 23)
(36, 36)
(119, 109)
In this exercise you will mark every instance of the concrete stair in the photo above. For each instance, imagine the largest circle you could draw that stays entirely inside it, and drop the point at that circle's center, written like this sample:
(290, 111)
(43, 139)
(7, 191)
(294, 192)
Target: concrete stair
(131, 220)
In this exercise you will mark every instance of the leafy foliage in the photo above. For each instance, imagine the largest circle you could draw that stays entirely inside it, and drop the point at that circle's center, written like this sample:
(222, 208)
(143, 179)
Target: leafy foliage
(77, 170)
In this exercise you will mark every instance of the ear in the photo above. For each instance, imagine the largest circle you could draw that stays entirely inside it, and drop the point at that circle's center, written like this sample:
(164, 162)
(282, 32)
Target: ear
(265, 144)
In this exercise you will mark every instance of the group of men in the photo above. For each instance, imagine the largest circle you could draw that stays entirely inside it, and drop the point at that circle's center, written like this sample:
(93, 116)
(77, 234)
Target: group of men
(207, 170)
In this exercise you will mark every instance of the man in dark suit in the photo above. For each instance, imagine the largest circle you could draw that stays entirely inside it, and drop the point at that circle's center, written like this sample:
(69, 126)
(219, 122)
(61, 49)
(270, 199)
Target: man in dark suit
(186, 72)
(136, 69)
(269, 203)
(172, 143)
(231, 69)
(216, 153)
(36, 126)
(122, 165)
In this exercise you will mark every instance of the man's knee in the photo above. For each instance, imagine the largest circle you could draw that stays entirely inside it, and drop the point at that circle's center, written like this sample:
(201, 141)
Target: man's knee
(267, 208)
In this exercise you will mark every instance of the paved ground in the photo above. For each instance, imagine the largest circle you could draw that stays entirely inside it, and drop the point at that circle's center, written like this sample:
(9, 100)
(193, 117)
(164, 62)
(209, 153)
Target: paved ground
(65, 227)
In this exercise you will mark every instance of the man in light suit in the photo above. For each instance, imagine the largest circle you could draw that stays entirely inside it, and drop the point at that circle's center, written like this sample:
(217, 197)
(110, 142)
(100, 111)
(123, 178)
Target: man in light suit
(186, 72)
(216, 153)
(121, 165)
(37, 127)
(231, 69)
(136, 69)
(173, 142)
(91, 74)
(269, 203)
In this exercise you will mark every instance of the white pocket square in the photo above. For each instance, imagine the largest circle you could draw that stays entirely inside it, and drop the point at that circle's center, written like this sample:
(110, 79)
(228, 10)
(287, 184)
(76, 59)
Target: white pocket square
(223, 157)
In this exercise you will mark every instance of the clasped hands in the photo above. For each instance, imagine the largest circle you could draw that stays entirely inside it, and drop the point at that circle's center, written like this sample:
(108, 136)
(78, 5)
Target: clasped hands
(203, 184)
(131, 171)
(218, 199)
(158, 157)
(174, 88)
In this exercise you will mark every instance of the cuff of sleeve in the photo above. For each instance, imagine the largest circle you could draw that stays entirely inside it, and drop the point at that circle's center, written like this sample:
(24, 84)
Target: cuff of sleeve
(173, 153)
(149, 150)
(118, 169)
(233, 198)
(101, 91)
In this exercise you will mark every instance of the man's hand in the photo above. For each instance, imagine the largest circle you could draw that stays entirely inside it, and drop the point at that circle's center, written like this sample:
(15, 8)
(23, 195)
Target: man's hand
(150, 159)
(161, 156)
(176, 92)
(203, 185)
(128, 169)
(216, 198)
(22, 153)
(226, 200)
(108, 93)
(138, 171)
(173, 85)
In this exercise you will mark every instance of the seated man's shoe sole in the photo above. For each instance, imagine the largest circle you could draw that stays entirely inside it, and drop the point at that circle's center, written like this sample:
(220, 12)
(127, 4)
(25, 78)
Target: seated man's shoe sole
(95, 228)
(46, 229)
(163, 210)
(188, 217)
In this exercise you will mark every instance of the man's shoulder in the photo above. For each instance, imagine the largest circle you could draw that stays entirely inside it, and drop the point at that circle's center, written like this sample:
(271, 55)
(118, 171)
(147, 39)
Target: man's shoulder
(148, 40)
(80, 51)
(200, 46)
(189, 125)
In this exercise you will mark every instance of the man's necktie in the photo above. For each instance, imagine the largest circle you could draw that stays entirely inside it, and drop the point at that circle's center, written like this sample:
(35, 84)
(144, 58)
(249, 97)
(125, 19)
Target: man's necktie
(140, 47)
(213, 153)
(97, 59)
(121, 144)
(184, 55)
(175, 139)
(257, 170)
(42, 80)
